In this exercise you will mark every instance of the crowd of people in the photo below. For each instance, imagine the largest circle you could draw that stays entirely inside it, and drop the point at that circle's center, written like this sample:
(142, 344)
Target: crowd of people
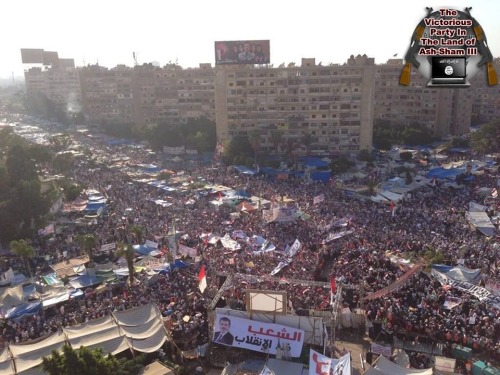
(431, 219)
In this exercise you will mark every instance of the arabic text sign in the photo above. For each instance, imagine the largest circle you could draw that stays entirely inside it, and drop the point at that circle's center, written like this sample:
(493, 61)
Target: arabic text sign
(259, 336)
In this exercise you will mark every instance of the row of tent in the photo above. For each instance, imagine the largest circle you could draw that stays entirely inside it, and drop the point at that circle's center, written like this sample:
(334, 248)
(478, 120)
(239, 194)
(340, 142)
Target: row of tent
(140, 329)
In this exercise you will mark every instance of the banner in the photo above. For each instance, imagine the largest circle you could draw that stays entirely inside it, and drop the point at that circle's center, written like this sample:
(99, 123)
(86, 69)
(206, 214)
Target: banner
(319, 364)
(323, 365)
(229, 243)
(318, 199)
(108, 246)
(285, 214)
(397, 284)
(342, 366)
(257, 336)
(280, 266)
(291, 251)
(493, 286)
(482, 294)
(335, 236)
(186, 251)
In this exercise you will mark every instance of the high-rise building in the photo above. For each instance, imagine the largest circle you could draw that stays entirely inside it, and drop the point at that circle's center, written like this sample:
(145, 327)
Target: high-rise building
(485, 98)
(322, 110)
(61, 85)
(147, 94)
(445, 111)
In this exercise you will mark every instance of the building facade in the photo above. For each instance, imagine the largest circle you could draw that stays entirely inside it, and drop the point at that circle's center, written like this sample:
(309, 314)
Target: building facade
(321, 110)
(60, 85)
(485, 98)
(314, 109)
(445, 111)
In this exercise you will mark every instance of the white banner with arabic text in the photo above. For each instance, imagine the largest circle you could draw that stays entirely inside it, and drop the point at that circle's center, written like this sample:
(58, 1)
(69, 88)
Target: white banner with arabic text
(257, 336)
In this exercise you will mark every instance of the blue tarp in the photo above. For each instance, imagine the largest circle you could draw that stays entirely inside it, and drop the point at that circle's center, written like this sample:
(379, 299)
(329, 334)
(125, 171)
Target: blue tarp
(445, 173)
(84, 281)
(323, 176)
(179, 264)
(143, 249)
(314, 162)
(245, 170)
(95, 206)
(26, 308)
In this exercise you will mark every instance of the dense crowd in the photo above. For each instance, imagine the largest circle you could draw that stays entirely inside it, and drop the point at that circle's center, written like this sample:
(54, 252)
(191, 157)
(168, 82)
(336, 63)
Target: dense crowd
(431, 218)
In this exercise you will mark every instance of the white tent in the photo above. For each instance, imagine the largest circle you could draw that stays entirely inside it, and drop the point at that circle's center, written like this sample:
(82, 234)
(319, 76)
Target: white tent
(140, 329)
(383, 366)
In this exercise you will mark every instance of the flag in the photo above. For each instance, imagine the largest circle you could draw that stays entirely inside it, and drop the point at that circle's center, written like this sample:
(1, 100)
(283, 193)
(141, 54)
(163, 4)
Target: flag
(333, 284)
(202, 279)
(494, 193)
(334, 289)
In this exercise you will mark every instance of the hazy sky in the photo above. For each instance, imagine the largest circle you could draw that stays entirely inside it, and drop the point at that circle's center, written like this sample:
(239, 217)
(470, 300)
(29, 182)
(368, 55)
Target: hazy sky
(108, 31)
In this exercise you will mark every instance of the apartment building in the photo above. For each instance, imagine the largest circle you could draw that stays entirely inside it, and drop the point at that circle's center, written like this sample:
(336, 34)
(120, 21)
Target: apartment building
(485, 98)
(445, 111)
(330, 106)
(147, 94)
(61, 85)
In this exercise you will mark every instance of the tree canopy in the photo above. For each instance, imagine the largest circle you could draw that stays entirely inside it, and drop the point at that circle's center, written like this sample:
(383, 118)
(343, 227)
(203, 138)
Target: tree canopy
(85, 361)
(487, 138)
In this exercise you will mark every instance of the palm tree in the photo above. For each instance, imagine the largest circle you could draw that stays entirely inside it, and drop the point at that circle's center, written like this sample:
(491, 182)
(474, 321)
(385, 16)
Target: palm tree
(127, 251)
(86, 243)
(137, 231)
(25, 251)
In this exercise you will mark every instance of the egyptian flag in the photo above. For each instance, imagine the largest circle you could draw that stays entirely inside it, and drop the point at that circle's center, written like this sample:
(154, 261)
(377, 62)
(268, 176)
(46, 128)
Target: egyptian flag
(334, 289)
(202, 279)
(333, 285)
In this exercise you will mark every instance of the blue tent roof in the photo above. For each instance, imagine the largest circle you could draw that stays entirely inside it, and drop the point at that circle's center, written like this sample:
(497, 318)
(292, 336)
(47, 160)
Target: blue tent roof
(323, 176)
(84, 281)
(314, 162)
(445, 173)
(25, 308)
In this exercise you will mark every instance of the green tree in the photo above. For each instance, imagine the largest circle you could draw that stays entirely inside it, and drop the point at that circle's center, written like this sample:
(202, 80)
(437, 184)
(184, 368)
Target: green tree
(85, 361)
(340, 165)
(24, 251)
(127, 251)
(137, 231)
(372, 185)
(63, 162)
(86, 242)
(487, 138)
(19, 164)
(238, 150)
(365, 155)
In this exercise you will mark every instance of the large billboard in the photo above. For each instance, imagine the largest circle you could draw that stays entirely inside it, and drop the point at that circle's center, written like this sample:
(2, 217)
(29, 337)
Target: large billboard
(32, 55)
(50, 58)
(242, 52)
(258, 336)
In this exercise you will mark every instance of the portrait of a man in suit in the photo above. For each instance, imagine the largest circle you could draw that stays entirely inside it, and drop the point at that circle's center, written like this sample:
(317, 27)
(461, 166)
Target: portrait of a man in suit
(223, 336)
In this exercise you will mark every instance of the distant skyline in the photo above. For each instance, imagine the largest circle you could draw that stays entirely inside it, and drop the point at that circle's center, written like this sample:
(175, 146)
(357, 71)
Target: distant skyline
(109, 31)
